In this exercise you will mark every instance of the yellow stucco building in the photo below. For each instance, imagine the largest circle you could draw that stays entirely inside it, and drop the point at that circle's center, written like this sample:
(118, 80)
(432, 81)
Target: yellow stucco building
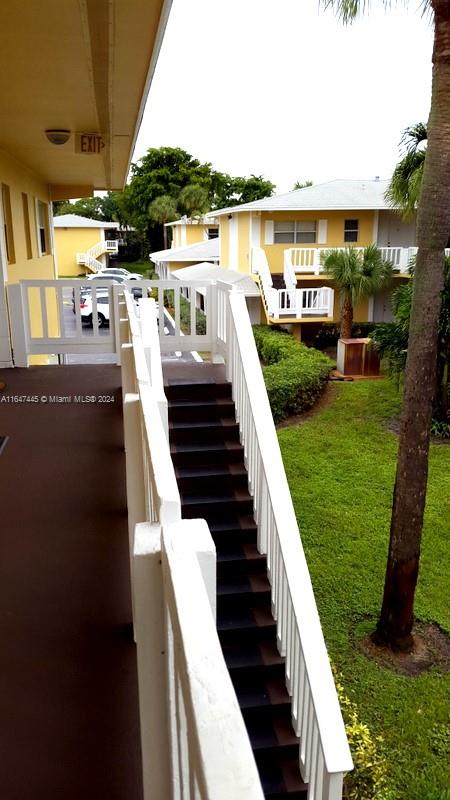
(187, 231)
(281, 238)
(69, 118)
(79, 240)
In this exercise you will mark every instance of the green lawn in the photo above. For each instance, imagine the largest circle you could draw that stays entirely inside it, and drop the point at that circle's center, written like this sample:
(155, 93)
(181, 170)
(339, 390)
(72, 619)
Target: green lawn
(340, 465)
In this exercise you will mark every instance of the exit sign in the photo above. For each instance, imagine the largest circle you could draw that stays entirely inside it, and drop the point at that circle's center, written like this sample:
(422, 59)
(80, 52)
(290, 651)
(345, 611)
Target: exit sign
(89, 143)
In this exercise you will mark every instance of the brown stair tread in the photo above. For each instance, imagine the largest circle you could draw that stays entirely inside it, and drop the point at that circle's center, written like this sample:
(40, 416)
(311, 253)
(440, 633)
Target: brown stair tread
(272, 732)
(214, 470)
(252, 654)
(239, 551)
(255, 692)
(257, 584)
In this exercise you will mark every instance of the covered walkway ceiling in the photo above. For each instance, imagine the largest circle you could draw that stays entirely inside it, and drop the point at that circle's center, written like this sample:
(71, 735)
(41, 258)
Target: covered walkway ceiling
(80, 65)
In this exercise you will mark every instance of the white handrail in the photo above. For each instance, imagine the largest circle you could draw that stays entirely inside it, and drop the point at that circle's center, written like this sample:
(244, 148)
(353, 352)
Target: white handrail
(213, 745)
(324, 751)
(89, 258)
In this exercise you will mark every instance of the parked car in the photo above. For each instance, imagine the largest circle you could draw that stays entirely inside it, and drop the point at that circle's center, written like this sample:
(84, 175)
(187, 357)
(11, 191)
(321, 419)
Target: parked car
(120, 272)
(103, 314)
(105, 277)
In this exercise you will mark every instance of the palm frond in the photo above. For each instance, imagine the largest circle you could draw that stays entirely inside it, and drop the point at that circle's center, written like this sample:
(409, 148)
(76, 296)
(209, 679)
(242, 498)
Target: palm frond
(413, 136)
(358, 274)
(404, 188)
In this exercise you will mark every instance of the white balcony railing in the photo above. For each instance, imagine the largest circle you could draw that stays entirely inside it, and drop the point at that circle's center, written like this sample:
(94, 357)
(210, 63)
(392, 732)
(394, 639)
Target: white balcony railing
(309, 260)
(290, 302)
(46, 317)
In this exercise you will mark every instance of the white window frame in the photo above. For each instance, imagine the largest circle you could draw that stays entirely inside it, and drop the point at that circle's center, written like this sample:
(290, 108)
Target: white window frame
(299, 233)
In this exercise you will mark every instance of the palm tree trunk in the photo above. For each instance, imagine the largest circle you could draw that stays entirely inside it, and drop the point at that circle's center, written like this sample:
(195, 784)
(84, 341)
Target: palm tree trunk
(441, 400)
(346, 318)
(166, 245)
(433, 225)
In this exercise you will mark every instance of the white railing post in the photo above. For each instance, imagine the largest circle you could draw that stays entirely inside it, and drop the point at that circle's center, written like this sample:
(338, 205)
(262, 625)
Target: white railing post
(151, 661)
(19, 325)
(194, 535)
(135, 479)
(127, 369)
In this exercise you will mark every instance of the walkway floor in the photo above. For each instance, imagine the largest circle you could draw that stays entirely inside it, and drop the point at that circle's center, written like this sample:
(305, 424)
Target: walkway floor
(69, 725)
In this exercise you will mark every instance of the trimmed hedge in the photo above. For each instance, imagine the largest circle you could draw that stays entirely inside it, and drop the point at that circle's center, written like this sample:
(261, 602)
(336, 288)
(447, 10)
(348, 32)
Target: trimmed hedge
(295, 375)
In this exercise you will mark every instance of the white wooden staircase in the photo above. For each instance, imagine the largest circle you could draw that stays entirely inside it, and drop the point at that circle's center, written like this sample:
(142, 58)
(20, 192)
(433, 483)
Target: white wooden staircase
(90, 259)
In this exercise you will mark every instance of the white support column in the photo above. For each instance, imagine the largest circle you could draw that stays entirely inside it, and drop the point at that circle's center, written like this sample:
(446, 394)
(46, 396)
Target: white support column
(233, 243)
(370, 307)
(151, 661)
(376, 218)
(18, 325)
(118, 307)
(5, 348)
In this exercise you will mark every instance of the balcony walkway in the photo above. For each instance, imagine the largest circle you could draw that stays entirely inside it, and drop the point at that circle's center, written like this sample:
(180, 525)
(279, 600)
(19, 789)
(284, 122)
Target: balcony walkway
(69, 725)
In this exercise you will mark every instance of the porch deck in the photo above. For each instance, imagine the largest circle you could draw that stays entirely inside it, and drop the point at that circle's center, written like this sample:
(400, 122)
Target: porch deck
(68, 695)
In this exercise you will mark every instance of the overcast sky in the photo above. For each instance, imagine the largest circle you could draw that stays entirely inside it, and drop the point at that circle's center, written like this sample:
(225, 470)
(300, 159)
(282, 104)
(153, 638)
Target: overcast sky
(281, 88)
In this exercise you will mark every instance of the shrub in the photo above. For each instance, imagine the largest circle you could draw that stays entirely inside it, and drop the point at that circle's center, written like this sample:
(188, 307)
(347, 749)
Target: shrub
(295, 375)
(368, 780)
(185, 314)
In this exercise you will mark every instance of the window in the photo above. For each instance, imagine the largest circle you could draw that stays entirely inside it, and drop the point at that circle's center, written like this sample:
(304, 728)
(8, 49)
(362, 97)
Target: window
(293, 232)
(26, 223)
(7, 221)
(43, 228)
(213, 233)
(351, 227)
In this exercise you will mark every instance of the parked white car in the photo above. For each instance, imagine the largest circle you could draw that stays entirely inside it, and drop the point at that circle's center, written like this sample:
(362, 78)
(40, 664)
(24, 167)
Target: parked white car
(102, 309)
(118, 272)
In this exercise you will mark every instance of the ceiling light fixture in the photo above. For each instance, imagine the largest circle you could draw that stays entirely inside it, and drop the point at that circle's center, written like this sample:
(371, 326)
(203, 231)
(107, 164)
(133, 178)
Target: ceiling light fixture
(57, 136)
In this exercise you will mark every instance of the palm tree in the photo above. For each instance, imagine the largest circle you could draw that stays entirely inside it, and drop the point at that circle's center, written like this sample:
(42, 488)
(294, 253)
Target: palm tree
(193, 200)
(433, 221)
(161, 210)
(357, 274)
(404, 188)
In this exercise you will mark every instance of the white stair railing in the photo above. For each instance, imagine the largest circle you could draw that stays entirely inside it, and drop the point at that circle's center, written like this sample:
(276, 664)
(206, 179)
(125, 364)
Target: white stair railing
(89, 258)
(323, 753)
(194, 741)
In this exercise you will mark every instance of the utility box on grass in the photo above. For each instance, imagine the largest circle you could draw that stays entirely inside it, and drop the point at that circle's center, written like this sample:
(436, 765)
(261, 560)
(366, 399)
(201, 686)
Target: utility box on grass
(356, 357)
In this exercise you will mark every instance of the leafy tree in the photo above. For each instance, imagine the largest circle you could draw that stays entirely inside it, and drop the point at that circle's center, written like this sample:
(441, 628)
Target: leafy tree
(193, 200)
(161, 210)
(300, 185)
(433, 219)
(404, 188)
(357, 274)
(247, 190)
(91, 207)
(195, 188)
